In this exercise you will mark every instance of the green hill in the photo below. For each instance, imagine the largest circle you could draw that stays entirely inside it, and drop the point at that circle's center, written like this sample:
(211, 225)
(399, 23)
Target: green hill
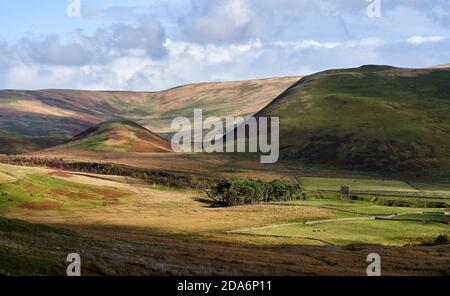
(374, 118)
(117, 135)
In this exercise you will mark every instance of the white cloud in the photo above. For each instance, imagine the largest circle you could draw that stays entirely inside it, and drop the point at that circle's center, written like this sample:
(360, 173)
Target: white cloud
(224, 21)
(187, 41)
(368, 42)
(146, 37)
(185, 63)
(210, 53)
(421, 39)
(308, 44)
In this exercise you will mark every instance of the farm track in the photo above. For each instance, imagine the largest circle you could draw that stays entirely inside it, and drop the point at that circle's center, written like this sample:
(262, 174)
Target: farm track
(243, 230)
(338, 220)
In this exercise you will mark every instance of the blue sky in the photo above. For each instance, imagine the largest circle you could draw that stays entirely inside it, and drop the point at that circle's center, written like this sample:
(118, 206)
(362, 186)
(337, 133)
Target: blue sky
(153, 45)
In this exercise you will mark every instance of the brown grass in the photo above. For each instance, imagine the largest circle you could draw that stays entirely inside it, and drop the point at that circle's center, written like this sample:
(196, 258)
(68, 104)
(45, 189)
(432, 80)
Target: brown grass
(221, 166)
(64, 192)
(87, 195)
(110, 192)
(170, 233)
(153, 232)
(47, 204)
(28, 186)
(60, 174)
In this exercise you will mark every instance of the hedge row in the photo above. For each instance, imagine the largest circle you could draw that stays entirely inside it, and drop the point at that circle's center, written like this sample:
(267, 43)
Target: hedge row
(148, 176)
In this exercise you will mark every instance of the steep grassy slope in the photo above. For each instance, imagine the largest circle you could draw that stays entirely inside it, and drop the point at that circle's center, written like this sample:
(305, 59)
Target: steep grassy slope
(375, 118)
(117, 135)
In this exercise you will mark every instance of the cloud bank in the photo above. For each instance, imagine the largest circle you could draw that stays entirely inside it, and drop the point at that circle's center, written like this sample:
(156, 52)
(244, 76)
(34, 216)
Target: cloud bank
(173, 42)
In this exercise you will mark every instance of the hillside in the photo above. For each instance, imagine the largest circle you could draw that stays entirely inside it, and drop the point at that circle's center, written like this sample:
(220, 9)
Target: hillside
(117, 135)
(65, 113)
(374, 118)
(443, 66)
(15, 144)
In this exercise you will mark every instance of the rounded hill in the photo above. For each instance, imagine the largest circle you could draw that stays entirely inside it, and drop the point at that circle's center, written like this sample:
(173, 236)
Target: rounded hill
(118, 135)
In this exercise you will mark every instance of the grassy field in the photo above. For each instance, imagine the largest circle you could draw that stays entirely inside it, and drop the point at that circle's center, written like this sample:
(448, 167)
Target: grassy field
(5, 177)
(311, 184)
(397, 233)
(422, 217)
(43, 192)
(390, 193)
(122, 227)
(353, 208)
(104, 199)
(384, 225)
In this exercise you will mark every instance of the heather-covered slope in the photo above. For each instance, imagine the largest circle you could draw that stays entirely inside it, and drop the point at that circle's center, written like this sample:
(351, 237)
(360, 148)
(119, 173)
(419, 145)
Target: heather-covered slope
(65, 113)
(376, 118)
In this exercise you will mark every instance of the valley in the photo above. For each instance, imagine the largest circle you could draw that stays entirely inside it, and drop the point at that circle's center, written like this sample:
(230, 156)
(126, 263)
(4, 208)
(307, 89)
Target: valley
(123, 227)
(94, 173)
(62, 114)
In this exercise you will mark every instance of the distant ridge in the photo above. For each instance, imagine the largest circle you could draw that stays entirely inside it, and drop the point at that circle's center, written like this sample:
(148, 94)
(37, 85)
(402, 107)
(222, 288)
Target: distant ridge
(32, 120)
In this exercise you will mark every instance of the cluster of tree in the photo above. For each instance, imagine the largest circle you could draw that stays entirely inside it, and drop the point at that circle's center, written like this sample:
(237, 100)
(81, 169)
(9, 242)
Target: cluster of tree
(148, 176)
(247, 191)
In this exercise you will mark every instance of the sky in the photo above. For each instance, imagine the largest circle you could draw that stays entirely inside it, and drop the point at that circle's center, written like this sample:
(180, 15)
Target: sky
(150, 45)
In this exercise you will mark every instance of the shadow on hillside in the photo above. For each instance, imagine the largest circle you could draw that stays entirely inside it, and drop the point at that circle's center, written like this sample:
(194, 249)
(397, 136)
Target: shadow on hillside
(210, 203)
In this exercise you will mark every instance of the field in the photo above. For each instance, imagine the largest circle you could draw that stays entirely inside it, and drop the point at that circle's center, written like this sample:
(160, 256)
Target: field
(364, 224)
(122, 226)
(311, 184)
(363, 232)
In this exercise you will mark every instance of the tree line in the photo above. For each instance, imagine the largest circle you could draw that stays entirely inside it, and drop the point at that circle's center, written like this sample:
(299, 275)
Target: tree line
(148, 176)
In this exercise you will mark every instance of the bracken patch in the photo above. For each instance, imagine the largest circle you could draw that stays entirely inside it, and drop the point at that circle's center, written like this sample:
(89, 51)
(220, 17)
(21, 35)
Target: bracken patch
(42, 205)
(110, 193)
(64, 192)
(87, 195)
